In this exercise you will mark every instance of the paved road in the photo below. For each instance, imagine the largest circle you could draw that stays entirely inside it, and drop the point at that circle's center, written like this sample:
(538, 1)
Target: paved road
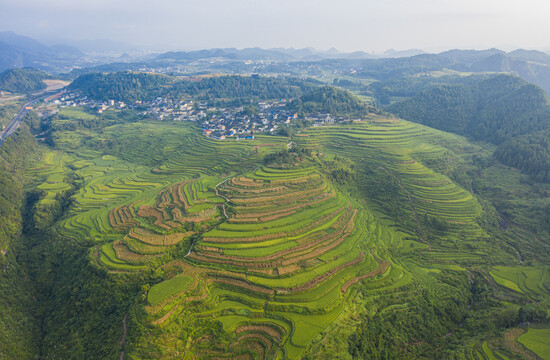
(10, 129)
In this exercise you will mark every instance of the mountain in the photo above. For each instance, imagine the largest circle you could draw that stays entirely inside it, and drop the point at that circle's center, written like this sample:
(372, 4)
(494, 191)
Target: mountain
(467, 57)
(531, 55)
(533, 66)
(33, 46)
(23, 51)
(275, 54)
(66, 50)
(230, 53)
(23, 42)
(402, 53)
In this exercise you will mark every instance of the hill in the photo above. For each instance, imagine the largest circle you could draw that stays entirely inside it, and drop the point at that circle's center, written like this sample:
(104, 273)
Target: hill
(245, 88)
(238, 90)
(497, 109)
(24, 80)
(121, 86)
(127, 237)
(329, 100)
(19, 331)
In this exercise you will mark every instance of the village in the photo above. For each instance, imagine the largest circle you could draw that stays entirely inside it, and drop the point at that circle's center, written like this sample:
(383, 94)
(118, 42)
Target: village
(217, 122)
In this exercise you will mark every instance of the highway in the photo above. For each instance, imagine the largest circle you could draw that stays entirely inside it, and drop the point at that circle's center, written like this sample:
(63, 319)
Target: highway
(10, 129)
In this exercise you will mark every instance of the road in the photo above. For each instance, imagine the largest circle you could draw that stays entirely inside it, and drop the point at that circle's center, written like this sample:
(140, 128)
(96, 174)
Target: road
(10, 129)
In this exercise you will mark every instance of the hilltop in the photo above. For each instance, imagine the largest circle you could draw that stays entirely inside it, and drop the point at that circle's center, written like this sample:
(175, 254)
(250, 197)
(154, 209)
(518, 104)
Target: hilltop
(26, 80)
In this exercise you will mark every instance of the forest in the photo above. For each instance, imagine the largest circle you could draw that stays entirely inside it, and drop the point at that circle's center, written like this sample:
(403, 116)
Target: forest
(501, 109)
(25, 80)
(120, 86)
(330, 100)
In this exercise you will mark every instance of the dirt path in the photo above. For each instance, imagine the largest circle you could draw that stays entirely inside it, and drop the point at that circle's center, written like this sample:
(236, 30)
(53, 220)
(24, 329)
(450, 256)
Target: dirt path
(223, 209)
(216, 189)
(123, 339)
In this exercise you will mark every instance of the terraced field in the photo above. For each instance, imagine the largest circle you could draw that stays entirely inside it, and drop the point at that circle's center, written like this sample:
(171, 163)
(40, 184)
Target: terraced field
(534, 281)
(536, 340)
(274, 253)
(263, 263)
(170, 154)
(277, 272)
(181, 211)
(397, 150)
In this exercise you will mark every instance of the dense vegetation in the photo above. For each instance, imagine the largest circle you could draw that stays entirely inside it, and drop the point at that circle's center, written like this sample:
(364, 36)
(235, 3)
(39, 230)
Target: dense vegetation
(131, 86)
(19, 332)
(502, 109)
(529, 153)
(120, 86)
(25, 80)
(329, 100)
(245, 89)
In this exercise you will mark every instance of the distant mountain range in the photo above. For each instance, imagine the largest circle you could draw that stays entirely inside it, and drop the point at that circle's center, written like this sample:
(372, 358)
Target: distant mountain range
(533, 66)
(275, 54)
(21, 51)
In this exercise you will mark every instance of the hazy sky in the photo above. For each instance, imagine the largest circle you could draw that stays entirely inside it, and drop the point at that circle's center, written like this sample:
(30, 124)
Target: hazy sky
(348, 25)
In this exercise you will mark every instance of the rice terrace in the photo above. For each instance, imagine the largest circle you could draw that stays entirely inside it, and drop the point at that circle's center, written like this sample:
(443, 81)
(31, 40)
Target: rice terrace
(334, 229)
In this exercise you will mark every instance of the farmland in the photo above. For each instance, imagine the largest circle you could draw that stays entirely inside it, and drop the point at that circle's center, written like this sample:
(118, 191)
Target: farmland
(229, 255)
(278, 270)
(536, 340)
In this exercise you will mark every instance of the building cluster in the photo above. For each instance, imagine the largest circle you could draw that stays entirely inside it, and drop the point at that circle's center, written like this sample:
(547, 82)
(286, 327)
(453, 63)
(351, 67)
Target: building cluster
(242, 123)
(216, 122)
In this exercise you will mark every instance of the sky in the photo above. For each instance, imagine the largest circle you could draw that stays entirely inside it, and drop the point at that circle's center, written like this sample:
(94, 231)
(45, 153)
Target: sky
(347, 25)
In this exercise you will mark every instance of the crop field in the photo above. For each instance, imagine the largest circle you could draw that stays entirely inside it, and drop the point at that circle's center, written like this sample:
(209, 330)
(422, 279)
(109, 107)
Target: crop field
(536, 340)
(53, 175)
(116, 177)
(484, 350)
(397, 150)
(278, 252)
(254, 261)
(531, 280)
(279, 269)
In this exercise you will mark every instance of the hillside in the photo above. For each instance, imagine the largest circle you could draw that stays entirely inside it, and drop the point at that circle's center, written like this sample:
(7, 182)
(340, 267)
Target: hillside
(234, 90)
(529, 153)
(122, 86)
(379, 238)
(329, 100)
(497, 109)
(245, 88)
(257, 254)
(24, 80)
(18, 51)
(19, 331)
